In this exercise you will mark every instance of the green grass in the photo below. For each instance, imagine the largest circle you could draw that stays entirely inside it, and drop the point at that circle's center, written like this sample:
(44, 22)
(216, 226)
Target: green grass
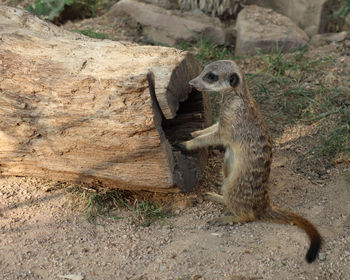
(102, 204)
(344, 10)
(283, 68)
(146, 213)
(207, 51)
(287, 97)
(336, 139)
(109, 204)
(54, 9)
(92, 34)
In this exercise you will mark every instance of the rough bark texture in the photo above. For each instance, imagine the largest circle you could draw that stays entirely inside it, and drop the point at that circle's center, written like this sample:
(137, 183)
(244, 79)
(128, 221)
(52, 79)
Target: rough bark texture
(76, 108)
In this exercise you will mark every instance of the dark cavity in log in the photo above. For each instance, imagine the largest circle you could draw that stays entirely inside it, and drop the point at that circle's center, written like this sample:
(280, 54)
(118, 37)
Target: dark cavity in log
(192, 115)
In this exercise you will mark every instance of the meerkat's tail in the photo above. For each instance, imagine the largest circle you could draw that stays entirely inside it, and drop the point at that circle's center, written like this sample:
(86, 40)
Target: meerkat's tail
(276, 215)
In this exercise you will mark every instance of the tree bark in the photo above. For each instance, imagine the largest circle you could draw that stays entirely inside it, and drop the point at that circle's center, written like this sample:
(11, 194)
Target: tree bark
(78, 109)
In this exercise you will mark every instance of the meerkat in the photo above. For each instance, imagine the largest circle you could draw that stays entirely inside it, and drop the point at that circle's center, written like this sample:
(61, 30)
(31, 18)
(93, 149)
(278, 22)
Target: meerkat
(247, 161)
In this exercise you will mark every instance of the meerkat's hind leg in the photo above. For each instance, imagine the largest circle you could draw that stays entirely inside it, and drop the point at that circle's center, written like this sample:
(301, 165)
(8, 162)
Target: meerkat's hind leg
(228, 162)
(214, 197)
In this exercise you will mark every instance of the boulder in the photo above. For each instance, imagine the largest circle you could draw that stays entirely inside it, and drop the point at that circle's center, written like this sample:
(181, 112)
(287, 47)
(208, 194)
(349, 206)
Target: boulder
(166, 4)
(312, 16)
(265, 29)
(166, 27)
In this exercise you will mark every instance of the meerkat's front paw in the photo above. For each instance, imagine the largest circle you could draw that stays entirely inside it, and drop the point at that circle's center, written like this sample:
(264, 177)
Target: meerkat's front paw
(180, 146)
(195, 133)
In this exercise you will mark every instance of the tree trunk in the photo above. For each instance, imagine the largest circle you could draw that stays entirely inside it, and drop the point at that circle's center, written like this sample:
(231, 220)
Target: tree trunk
(78, 109)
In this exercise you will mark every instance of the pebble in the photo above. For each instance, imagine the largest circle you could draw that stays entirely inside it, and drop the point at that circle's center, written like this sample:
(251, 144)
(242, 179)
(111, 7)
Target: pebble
(322, 256)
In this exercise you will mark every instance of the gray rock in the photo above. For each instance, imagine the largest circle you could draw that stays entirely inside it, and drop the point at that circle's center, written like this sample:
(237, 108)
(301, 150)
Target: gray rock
(262, 28)
(165, 27)
(322, 256)
(312, 16)
(166, 4)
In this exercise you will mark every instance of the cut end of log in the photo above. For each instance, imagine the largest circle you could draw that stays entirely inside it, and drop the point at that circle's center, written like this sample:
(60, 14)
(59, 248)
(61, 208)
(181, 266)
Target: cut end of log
(192, 114)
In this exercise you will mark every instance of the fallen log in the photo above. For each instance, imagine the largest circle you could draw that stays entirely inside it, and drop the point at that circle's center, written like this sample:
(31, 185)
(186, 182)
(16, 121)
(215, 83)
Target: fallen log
(78, 109)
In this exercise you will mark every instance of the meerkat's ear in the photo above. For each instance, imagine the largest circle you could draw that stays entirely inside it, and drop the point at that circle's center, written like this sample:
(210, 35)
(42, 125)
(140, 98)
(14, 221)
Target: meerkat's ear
(234, 79)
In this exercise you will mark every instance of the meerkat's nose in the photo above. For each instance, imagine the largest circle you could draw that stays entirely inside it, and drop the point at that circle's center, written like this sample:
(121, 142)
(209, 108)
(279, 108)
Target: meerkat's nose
(196, 84)
(192, 83)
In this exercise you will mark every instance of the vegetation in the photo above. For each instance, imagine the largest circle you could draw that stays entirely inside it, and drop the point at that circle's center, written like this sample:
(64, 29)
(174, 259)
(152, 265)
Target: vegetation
(344, 10)
(92, 34)
(283, 87)
(207, 51)
(108, 204)
(59, 11)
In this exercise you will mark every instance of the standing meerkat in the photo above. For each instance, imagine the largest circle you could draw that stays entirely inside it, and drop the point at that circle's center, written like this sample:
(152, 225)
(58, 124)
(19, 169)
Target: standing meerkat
(247, 162)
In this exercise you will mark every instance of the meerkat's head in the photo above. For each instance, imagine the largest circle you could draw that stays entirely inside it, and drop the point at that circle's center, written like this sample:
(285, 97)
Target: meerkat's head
(220, 76)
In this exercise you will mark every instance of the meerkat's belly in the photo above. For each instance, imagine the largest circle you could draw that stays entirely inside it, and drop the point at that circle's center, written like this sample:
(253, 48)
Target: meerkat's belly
(245, 187)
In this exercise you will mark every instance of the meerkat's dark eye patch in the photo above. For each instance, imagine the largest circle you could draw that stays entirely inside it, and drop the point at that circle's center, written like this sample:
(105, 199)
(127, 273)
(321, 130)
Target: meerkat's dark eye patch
(211, 77)
(234, 79)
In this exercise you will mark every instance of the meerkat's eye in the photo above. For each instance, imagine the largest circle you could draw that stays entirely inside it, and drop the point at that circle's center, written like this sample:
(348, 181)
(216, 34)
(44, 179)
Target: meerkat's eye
(234, 79)
(211, 77)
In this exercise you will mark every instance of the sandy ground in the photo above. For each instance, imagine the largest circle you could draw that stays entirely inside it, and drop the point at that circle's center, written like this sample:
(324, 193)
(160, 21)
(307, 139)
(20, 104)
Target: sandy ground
(42, 236)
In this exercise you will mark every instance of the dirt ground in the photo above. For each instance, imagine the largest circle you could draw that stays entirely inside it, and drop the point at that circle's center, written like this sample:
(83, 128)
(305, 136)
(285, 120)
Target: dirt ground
(43, 236)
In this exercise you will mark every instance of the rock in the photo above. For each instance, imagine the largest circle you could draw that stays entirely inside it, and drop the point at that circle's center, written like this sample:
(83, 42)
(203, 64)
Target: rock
(312, 16)
(327, 38)
(199, 16)
(322, 256)
(166, 4)
(261, 28)
(165, 27)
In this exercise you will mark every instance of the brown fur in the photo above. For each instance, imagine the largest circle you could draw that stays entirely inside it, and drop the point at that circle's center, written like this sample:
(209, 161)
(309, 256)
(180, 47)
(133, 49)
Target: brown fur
(242, 130)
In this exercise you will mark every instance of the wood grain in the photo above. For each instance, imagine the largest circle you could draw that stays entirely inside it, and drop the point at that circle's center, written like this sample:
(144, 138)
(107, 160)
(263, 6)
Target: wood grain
(74, 108)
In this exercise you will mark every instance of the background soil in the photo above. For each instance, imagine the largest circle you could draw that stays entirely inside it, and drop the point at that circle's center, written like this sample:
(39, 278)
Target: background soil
(44, 233)
(43, 236)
